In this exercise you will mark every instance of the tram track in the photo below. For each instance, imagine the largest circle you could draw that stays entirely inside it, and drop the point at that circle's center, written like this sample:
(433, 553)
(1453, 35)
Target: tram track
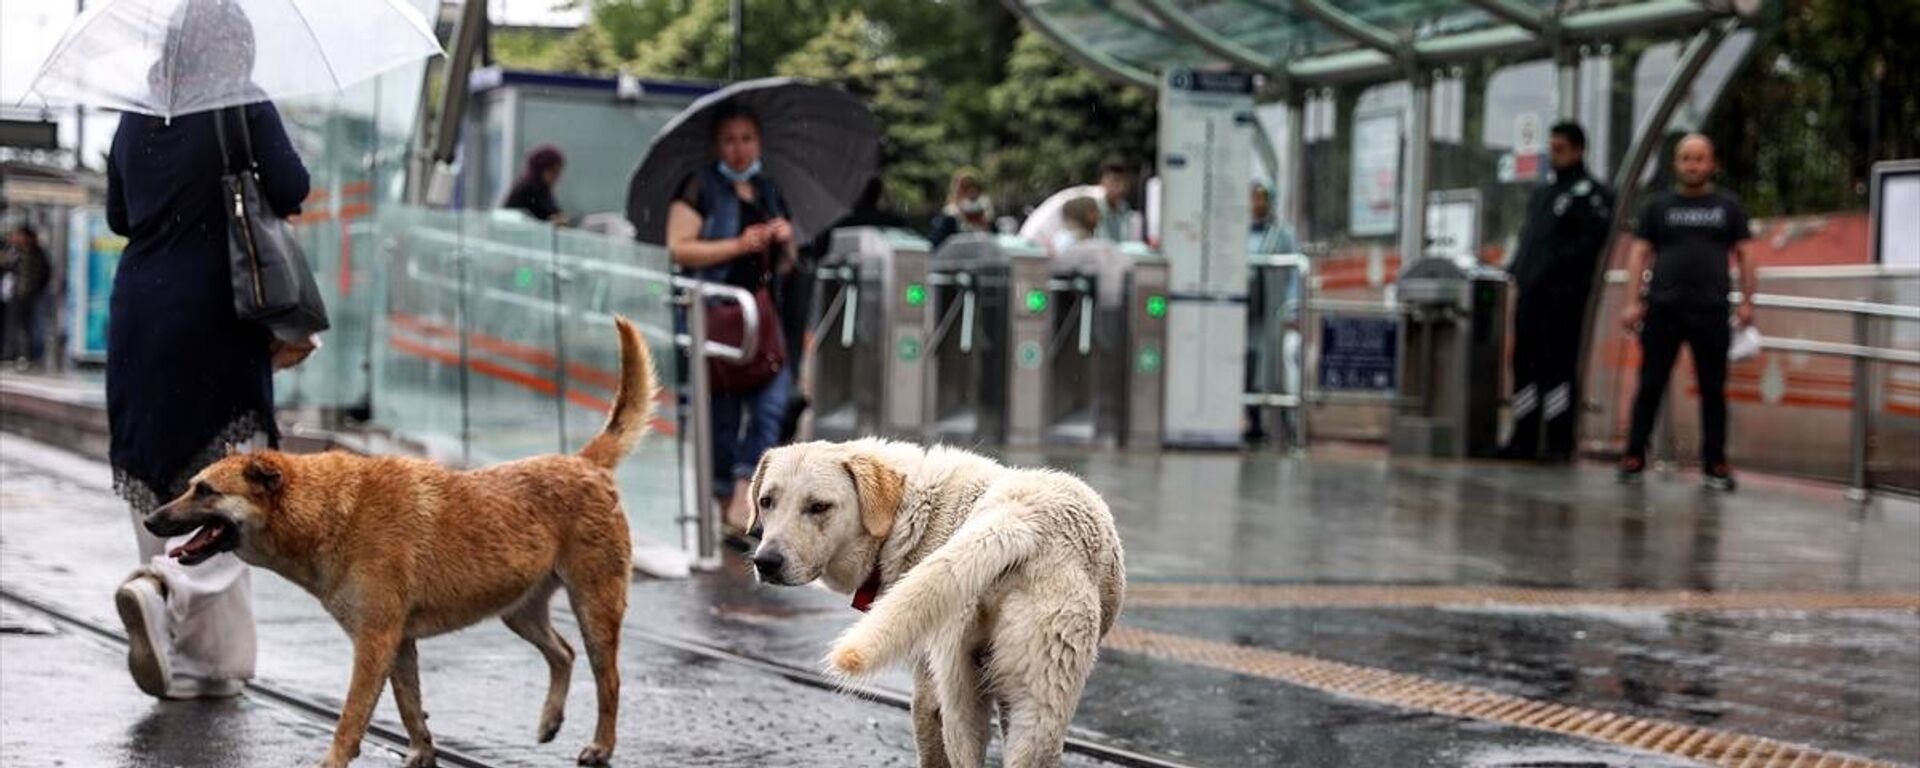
(323, 713)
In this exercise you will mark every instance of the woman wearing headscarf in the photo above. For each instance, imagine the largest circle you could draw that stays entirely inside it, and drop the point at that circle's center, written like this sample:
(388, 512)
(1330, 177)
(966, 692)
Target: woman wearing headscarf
(187, 379)
(533, 191)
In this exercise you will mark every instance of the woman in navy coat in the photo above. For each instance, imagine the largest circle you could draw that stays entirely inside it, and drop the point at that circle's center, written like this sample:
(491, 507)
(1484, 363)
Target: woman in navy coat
(186, 378)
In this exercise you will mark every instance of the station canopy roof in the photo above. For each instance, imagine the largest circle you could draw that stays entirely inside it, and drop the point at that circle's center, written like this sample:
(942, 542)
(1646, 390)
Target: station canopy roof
(1330, 42)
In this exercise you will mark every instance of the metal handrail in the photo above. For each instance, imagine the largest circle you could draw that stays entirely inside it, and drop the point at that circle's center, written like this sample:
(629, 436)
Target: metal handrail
(689, 293)
(1841, 306)
(750, 310)
(1811, 272)
(1837, 349)
(1353, 307)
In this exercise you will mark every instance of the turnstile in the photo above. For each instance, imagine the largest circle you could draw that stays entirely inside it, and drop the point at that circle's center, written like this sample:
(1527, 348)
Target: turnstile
(970, 352)
(867, 341)
(1102, 318)
(1452, 343)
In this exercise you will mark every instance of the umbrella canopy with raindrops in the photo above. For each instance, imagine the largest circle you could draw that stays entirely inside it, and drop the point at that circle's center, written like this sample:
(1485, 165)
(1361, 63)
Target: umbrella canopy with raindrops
(820, 144)
(174, 57)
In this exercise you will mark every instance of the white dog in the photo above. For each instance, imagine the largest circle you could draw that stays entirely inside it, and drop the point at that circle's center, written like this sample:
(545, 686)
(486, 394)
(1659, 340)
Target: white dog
(997, 583)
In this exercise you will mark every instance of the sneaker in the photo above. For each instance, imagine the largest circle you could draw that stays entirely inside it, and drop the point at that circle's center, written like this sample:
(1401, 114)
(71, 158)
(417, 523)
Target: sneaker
(1719, 477)
(196, 688)
(1631, 468)
(142, 604)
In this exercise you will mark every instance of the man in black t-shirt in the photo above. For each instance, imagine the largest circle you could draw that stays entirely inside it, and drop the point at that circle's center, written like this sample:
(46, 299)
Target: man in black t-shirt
(1689, 233)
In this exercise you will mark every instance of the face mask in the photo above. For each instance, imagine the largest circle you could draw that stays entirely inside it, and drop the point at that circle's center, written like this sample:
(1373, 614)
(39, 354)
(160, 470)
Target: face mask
(739, 176)
(977, 205)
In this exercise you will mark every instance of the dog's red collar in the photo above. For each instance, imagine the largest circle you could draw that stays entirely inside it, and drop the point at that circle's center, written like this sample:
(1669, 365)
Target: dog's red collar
(868, 592)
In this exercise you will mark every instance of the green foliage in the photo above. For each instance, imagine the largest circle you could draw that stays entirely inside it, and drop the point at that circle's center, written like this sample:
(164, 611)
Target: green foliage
(1057, 121)
(1833, 87)
(694, 45)
(860, 55)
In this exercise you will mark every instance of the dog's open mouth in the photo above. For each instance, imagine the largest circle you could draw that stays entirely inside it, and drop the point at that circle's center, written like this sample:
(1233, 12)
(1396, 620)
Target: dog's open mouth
(215, 537)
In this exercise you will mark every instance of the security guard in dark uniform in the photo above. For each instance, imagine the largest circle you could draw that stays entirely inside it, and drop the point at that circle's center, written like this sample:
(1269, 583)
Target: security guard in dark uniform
(1566, 226)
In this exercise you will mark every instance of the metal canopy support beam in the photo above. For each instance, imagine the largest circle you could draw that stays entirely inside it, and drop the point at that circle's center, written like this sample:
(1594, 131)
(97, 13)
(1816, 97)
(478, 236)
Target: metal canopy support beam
(1087, 56)
(1522, 16)
(1649, 135)
(1293, 165)
(1383, 55)
(1566, 86)
(1193, 31)
(1413, 176)
(1351, 26)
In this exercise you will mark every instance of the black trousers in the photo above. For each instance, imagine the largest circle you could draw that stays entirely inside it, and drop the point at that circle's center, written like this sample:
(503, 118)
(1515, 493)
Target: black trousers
(1546, 363)
(1706, 333)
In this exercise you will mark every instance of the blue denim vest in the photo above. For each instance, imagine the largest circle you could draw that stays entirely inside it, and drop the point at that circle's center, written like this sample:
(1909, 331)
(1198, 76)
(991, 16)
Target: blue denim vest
(722, 220)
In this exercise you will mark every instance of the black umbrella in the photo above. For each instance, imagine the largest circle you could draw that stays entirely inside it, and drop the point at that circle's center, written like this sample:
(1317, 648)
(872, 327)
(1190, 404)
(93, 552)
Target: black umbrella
(819, 145)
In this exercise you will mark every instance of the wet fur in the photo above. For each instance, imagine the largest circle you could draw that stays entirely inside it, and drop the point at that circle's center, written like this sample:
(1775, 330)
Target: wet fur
(998, 583)
(399, 549)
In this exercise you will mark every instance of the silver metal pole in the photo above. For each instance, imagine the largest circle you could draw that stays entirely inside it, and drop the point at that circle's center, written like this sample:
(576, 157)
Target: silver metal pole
(1293, 179)
(555, 278)
(708, 521)
(1413, 187)
(1858, 483)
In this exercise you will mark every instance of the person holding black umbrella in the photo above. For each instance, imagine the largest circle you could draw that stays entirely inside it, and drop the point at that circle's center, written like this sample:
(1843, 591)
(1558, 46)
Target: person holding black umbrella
(729, 225)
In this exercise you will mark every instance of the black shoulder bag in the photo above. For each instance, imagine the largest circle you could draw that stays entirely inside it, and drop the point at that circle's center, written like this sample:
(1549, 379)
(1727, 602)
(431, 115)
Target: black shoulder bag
(272, 284)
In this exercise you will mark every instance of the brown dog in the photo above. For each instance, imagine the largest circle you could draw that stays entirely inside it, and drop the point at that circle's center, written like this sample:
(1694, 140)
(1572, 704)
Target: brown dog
(400, 549)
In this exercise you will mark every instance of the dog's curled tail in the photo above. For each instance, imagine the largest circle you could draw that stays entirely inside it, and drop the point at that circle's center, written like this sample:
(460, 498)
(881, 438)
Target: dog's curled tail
(632, 414)
(938, 589)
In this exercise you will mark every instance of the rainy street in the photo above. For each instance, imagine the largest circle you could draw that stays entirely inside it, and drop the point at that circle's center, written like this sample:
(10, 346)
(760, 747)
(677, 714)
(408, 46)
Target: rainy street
(960, 383)
(1342, 610)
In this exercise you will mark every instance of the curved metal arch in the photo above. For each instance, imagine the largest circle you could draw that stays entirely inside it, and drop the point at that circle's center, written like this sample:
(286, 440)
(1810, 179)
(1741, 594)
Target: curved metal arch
(1530, 19)
(1352, 27)
(1194, 31)
(1086, 55)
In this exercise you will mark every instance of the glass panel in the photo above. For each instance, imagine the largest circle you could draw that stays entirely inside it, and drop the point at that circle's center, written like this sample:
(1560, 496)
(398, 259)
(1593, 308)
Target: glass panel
(512, 393)
(1271, 27)
(603, 277)
(417, 387)
(1121, 28)
(1518, 111)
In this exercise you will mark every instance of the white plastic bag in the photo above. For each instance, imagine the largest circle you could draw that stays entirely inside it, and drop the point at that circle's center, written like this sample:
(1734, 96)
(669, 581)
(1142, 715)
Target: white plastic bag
(1745, 344)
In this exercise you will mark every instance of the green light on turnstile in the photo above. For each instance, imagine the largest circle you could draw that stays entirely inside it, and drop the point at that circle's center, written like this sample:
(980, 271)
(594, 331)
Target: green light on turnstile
(1036, 301)
(1149, 360)
(1156, 306)
(523, 277)
(916, 294)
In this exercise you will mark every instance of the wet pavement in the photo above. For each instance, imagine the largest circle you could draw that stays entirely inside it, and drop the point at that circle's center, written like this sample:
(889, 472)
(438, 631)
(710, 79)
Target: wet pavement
(1256, 575)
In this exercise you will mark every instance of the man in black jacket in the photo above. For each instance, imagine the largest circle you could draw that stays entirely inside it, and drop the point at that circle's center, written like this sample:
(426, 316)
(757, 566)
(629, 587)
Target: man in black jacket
(1565, 229)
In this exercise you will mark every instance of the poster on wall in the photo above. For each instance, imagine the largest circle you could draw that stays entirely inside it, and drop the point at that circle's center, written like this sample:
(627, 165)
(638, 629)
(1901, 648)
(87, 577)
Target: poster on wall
(1373, 206)
(1453, 224)
(93, 253)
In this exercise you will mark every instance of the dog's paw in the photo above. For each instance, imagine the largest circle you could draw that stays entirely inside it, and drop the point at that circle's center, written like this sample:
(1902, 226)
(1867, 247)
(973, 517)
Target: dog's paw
(423, 757)
(595, 754)
(847, 659)
(550, 726)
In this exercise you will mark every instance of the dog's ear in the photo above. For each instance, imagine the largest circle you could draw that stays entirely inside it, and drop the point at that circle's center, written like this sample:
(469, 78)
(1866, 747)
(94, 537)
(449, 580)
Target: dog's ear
(753, 490)
(880, 488)
(263, 476)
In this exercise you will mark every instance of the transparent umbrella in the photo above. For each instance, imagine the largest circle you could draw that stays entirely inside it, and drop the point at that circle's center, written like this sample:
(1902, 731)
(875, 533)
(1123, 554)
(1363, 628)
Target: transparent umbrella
(174, 57)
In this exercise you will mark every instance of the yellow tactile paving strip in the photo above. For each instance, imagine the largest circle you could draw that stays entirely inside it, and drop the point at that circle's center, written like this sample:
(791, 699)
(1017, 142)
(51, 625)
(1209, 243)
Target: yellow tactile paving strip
(1150, 595)
(1706, 745)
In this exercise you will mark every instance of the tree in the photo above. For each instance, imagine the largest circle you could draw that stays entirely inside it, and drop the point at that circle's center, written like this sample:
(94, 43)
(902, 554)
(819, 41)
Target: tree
(859, 55)
(1833, 86)
(1056, 121)
(695, 45)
